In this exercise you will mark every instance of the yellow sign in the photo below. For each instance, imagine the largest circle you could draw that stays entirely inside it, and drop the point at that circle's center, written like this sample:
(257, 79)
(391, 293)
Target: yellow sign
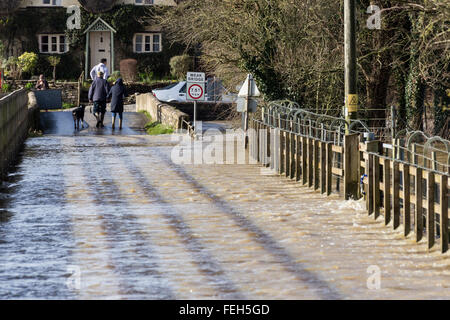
(352, 102)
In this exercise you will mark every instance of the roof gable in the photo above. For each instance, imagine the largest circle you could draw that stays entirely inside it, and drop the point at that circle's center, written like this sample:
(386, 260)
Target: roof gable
(100, 25)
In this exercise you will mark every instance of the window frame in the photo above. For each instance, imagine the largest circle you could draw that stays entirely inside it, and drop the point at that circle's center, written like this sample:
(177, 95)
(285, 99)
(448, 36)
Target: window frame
(143, 44)
(58, 3)
(143, 3)
(50, 43)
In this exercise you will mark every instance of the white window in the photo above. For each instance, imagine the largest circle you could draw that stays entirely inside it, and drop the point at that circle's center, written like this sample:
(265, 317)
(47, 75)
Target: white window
(147, 42)
(51, 2)
(53, 43)
(143, 2)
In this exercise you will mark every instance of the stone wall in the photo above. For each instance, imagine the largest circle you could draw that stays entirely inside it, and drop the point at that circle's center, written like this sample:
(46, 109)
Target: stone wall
(69, 90)
(15, 118)
(160, 112)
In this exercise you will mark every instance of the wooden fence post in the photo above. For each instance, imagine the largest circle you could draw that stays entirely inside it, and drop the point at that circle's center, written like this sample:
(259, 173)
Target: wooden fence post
(418, 220)
(323, 167)
(287, 155)
(310, 162)
(351, 165)
(316, 161)
(329, 164)
(298, 141)
(430, 209)
(406, 200)
(293, 155)
(395, 194)
(443, 200)
(376, 186)
(304, 159)
(387, 190)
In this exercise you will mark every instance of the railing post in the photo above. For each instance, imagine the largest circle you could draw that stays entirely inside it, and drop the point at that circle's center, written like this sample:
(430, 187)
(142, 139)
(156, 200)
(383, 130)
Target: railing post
(430, 210)
(444, 213)
(351, 165)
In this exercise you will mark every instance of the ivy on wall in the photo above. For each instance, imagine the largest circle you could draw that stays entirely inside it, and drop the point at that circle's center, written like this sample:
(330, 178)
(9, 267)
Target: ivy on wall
(25, 24)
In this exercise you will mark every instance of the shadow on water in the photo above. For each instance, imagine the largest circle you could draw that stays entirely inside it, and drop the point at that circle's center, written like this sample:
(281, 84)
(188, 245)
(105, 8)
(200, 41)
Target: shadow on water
(113, 224)
(206, 263)
(264, 239)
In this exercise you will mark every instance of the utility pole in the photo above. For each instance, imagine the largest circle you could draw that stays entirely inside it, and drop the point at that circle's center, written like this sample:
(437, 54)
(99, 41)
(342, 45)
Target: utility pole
(351, 94)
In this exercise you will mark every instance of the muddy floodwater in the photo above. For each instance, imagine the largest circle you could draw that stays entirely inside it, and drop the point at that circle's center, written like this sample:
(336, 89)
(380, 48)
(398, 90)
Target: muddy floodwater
(113, 217)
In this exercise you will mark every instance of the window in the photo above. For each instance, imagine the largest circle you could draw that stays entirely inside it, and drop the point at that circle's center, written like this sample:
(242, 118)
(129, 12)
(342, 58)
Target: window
(147, 42)
(143, 2)
(51, 2)
(53, 43)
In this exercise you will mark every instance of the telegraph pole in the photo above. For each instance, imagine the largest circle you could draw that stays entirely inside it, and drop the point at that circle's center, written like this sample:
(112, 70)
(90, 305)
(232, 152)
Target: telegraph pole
(351, 94)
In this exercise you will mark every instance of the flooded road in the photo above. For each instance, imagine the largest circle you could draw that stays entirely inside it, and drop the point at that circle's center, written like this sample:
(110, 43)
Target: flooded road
(113, 217)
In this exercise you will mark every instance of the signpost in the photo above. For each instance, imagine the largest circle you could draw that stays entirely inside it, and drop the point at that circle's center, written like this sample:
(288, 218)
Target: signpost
(246, 102)
(195, 91)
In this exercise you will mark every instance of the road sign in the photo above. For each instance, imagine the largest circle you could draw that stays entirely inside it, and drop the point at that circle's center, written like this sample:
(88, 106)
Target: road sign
(196, 92)
(195, 86)
(352, 102)
(195, 77)
(249, 88)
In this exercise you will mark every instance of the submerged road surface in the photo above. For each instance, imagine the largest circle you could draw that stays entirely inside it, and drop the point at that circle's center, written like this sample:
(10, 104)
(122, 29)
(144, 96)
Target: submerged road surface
(94, 215)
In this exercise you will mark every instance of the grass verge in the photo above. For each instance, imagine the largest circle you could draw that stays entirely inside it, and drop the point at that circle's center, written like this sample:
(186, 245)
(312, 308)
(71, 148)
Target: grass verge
(155, 128)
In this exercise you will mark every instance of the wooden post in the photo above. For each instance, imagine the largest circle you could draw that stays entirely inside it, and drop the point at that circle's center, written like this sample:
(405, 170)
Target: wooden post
(298, 141)
(387, 190)
(282, 145)
(430, 209)
(370, 184)
(351, 165)
(304, 159)
(376, 186)
(316, 164)
(329, 163)
(310, 162)
(293, 156)
(443, 200)
(395, 194)
(287, 155)
(418, 223)
(323, 167)
(406, 200)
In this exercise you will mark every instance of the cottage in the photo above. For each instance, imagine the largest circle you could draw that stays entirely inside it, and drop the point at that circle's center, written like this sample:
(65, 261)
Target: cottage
(83, 32)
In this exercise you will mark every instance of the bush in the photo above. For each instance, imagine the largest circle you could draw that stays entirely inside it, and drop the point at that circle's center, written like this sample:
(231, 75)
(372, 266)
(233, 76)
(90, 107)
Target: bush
(6, 87)
(114, 76)
(128, 70)
(68, 105)
(180, 65)
(147, 77)
(29, 86)
(27, 62)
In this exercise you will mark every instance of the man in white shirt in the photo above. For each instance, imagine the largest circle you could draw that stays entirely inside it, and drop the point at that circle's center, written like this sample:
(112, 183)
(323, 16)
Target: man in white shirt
(101, 67)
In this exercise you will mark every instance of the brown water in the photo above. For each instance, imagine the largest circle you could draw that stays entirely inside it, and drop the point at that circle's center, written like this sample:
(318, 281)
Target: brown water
(139, 226)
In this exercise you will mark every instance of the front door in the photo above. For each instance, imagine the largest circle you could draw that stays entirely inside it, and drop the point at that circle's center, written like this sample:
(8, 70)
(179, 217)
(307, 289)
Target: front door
(100, 45)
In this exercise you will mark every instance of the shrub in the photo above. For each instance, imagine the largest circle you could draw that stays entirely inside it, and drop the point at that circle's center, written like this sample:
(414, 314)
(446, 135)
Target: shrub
(68, 105)
(180, 65)
(27, 62)
(54, 61)
(6, 87)
(128, 69)
(29, 86)
(114, 76)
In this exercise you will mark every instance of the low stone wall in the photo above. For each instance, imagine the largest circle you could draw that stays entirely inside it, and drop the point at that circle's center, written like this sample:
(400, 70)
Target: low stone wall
(69, 90)
(160, 112)
(16, 117)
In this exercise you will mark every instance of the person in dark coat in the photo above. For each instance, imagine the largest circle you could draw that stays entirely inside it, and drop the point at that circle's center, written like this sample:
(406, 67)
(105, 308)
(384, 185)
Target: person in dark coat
(42, 84)
(98, 93)
(117, 93)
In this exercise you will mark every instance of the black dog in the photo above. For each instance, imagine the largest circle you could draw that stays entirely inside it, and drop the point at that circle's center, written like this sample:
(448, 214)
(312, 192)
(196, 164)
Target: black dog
(78, 115)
